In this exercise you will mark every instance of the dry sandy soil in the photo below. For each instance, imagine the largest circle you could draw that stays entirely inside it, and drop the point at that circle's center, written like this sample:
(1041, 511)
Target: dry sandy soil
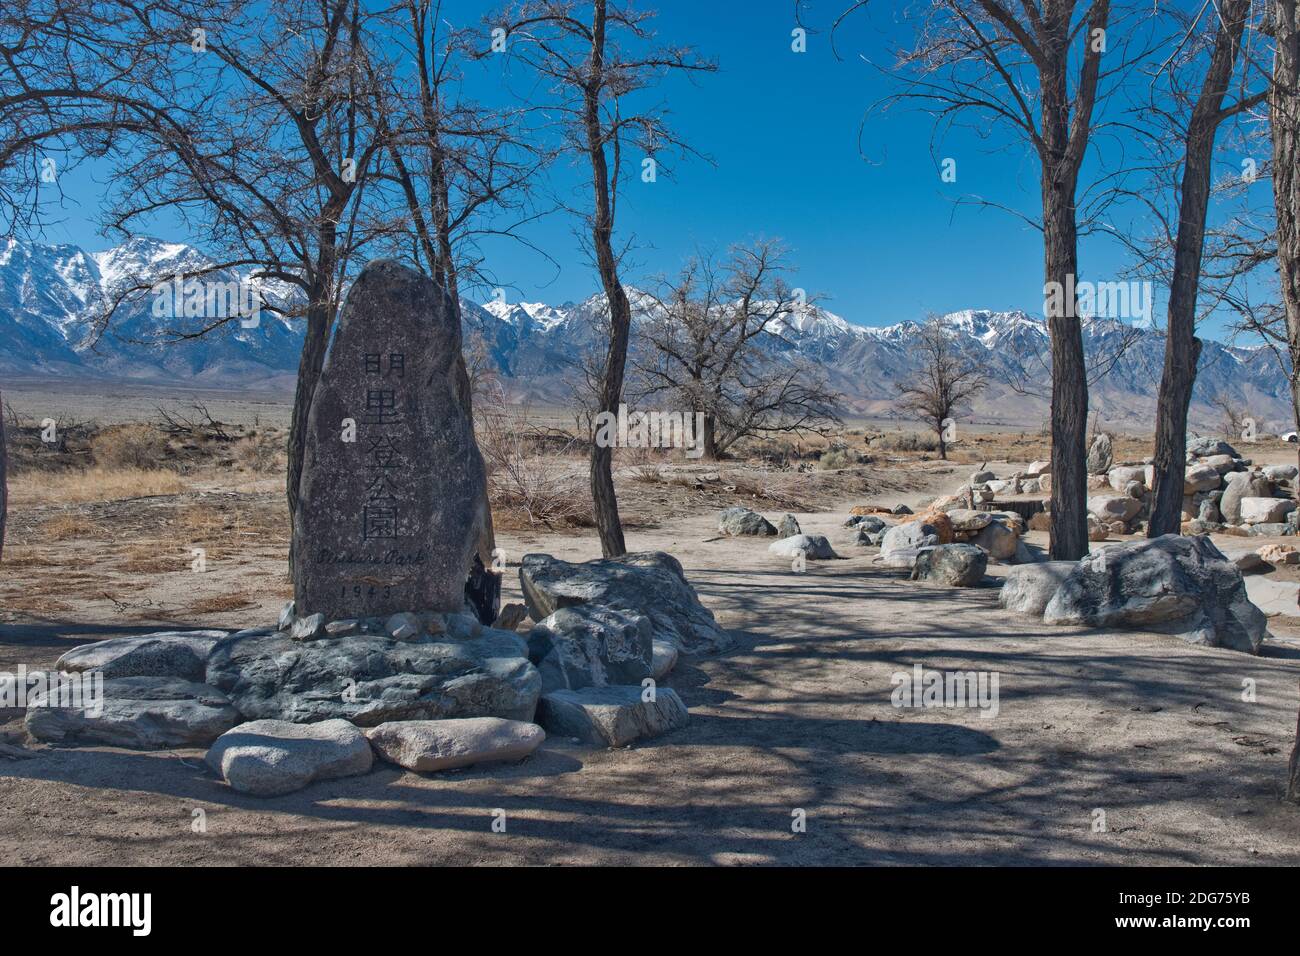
(796, 717)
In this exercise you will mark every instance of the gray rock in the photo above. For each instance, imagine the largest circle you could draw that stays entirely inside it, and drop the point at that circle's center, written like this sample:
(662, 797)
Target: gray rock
(343, 628)
(1028, 588)
(308, 628)
(404, 626)
(1209, 512)
(982, 477)
(1206, 447)
(286, 618)
(812, 546)
(648, 583)
(1265, 510)
(788, 527)
(743, 521)
(1271, 529)
(955, 565)
(371, 678)
(901, 510)
(426, 746)
(182, 654)
(1200, 477)
(1174, 584)
(1114, 507)
(867, 523)
(967, 519)
(1101, 455)
(1280, 472)
(393, 520)
(663, 659)
(148, 713)
(611, 716)
(908, 537)
(1242, 484)
(268, 758)
(591, 646)
(1121, 476)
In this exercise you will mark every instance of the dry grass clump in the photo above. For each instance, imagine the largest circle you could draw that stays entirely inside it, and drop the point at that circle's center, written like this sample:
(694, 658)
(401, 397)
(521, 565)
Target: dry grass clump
(152, 558)
(794, 491)
(219, 603)
(838, 458)
(138, 445)
(907, 441)
(93, 484)
(69, 526)
(263, 453)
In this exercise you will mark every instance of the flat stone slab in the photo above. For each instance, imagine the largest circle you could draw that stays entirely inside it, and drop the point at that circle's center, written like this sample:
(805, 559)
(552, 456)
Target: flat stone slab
(370, 678)
(1274, 597)
(611, 716)
(146, 713)
(271, 757)
(182, 654)
(650, 583)
(430, 745)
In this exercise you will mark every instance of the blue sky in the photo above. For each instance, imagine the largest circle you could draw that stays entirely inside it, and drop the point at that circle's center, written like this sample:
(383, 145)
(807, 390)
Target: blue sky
(877, 234)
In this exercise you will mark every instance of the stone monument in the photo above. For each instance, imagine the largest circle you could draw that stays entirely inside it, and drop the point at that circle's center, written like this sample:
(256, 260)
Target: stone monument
(392, 511)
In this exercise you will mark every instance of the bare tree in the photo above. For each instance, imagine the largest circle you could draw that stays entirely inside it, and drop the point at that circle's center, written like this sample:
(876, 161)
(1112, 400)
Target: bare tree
(69, 75)
(947, 381)
(1187, 241)
(711, 348)
(597, 56)
(1036, 69)
(266, 147)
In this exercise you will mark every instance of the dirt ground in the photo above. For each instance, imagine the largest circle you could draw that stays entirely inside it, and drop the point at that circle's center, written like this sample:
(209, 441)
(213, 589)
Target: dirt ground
(797, 717)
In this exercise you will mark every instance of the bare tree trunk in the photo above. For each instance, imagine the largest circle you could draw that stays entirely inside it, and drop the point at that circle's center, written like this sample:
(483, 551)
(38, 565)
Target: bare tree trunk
(4, 477)
(320, 322)
(1069, 523)
(603, 495)
(1284, 118)
(1293, 769)
(1182, 348)
(710, 437)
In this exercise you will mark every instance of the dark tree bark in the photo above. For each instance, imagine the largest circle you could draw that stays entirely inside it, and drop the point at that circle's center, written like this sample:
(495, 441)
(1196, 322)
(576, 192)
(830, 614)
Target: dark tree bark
(1065, 127)
(594, 68)
(1284, 118)
(604, 497)
(1182, 348)
(4, 478)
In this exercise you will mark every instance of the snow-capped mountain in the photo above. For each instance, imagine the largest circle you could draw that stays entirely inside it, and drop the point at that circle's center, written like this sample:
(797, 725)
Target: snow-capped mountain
(52, 299)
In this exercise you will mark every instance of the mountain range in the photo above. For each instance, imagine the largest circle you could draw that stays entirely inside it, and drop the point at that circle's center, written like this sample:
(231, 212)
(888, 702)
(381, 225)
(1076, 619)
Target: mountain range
(53, 296)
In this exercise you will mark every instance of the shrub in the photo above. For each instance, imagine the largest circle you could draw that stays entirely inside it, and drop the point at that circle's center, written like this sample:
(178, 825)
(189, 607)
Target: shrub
(137, 445)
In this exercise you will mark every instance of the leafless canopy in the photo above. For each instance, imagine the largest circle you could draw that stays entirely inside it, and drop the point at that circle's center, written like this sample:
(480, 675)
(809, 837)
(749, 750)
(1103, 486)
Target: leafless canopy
(712, 341)
(946, 383)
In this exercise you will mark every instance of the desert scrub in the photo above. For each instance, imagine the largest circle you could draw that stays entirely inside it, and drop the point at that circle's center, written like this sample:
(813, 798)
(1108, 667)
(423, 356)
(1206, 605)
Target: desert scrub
(137, 445)
(838, 458)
